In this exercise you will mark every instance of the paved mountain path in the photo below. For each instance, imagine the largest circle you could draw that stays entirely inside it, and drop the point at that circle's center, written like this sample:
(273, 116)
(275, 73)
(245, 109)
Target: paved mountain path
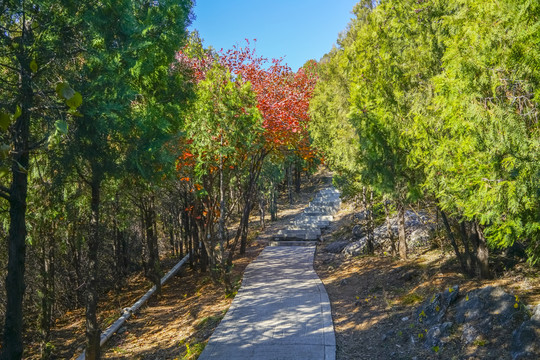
(282, 310)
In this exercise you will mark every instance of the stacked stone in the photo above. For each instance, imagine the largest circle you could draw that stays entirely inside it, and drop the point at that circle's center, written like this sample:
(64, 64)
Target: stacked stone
(318, 215)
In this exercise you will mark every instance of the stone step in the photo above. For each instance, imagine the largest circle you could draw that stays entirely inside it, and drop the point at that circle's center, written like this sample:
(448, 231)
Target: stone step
(302, 227)
(320, 210)
(318, 224)
(330, 191)
(291, 243)
(297, 235)
(316, 203)
(312, 219)
(332, 197)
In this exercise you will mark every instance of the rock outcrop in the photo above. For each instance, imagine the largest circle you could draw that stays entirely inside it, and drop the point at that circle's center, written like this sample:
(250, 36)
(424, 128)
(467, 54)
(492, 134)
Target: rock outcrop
(419, 228)
(484, 316)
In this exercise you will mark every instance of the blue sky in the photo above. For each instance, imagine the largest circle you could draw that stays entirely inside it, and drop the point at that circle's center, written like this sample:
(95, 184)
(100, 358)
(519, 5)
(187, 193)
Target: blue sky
(297, 30)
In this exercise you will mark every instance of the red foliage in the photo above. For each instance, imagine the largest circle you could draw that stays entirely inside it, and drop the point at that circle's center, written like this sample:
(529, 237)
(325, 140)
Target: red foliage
(283, 96)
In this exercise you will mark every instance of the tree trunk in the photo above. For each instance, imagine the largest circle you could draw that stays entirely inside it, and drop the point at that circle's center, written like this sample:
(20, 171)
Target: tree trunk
(180, 239)
(402, 245)
(389, 231)
(244, 225)
(289, 183)
(367, 222)
(189, 240)
(13, 325)
(262, 209)
(469, 257)
(75, 262)
(118, 248)
(172, 240)
(466, 270)
(203, 257)
(371, 225)
(93, 333)
(482, 253)
(273, 202)
(297, 178)
(47, 299)
(151, 242)
(222, 209)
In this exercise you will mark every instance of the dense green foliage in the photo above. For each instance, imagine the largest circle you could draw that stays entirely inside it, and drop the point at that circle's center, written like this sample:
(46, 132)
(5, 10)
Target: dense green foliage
(437, 101)
(124, 140)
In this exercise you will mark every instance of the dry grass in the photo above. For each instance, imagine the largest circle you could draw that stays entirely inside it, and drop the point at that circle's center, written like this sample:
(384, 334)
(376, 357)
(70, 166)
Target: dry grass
(179, 323)
(373, 299)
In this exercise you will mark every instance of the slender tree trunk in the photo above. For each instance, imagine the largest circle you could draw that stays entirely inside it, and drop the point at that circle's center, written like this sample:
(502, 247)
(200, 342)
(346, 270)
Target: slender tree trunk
(273, 202)
(402, 245)
(75, 262)
(255, 170)
(118, 253)
(222, 209)
(47, 300)
(172, 241)
(262, 209)
(189, 240)
(482, 253)
(466, 270)
(13, 323)
(366, 223)
(180, 240)
(93, 333)
(151, 242)
(289, 183)
(371, 225)
(244, 225)
(144, 252)
(203, 257)
(469, 256)
(124, 250)
(389, 231)
(297, 178)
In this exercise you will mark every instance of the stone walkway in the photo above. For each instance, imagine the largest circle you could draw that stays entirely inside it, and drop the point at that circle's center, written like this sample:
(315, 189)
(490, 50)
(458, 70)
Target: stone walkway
(282, 310)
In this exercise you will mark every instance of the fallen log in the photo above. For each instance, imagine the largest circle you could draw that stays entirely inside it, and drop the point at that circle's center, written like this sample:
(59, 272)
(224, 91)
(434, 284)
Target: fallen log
(126, 312)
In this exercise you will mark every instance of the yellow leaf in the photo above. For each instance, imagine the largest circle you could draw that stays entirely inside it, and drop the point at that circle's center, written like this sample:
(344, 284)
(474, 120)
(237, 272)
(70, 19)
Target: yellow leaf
(5, 120)
(33, 65)
(18, 112)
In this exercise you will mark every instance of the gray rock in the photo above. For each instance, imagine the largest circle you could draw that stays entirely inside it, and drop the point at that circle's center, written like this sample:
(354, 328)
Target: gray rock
(420, 237)
(336, 247)
(362, 215)
(526, 338)
(358, 232)
(490, 306)
(436, 335)
(469, 334)
(419, 229)
(433, 310)
(356, 248)
(536, 313)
